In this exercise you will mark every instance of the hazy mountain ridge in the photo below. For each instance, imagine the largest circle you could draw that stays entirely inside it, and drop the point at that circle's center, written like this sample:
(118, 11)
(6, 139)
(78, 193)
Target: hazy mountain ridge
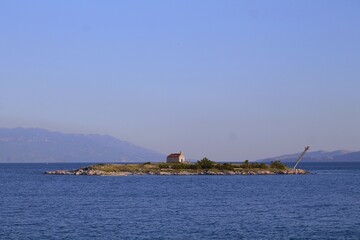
(319, 156)
(40, 145)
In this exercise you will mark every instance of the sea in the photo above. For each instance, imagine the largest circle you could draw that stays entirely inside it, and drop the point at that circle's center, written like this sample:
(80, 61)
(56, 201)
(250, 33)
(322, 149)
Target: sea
(322, 205)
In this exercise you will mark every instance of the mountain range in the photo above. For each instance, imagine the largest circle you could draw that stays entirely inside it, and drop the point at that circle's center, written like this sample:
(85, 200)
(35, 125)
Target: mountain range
(20, 145)
(319, 156)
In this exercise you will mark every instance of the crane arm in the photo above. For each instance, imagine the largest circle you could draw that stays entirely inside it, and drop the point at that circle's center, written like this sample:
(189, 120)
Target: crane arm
(301, 156)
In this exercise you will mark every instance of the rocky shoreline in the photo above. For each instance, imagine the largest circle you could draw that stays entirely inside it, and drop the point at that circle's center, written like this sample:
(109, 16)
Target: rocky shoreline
(92, 172)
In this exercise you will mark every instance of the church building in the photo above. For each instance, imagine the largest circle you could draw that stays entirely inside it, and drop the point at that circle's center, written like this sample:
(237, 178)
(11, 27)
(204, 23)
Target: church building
(176, 158)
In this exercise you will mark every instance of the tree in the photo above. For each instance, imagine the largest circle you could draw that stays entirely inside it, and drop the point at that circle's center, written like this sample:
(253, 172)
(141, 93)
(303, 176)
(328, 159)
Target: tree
(224, 166)
(205, 163)
(278, 165)
(246, 164)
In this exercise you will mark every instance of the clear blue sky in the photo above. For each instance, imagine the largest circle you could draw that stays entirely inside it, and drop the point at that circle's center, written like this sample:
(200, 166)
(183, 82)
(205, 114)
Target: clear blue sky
(230, 80)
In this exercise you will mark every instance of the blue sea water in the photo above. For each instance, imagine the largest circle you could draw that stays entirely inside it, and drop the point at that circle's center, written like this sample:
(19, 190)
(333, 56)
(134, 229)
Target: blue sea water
(325, 205)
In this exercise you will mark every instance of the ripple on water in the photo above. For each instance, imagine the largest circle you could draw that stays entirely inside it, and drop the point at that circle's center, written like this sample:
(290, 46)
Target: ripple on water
(37, 206)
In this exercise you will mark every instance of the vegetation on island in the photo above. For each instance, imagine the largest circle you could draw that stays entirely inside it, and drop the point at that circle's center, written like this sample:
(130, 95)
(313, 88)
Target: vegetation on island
(201, 167)
(204, 164)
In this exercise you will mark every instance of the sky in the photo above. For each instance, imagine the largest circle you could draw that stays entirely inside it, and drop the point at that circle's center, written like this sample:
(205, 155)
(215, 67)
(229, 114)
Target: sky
(229, 80)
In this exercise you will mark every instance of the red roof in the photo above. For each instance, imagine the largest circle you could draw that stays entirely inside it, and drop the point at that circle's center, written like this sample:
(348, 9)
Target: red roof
(174, 155)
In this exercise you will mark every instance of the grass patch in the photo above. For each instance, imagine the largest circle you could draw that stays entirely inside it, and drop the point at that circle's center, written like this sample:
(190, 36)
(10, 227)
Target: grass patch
(204, 164)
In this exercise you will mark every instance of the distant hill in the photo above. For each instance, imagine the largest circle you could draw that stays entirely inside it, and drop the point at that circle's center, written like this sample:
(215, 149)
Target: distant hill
(349, 157)
(319, 156)
(39, 145)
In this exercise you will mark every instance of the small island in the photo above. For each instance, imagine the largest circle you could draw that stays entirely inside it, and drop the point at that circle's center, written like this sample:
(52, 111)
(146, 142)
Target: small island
(201, 167)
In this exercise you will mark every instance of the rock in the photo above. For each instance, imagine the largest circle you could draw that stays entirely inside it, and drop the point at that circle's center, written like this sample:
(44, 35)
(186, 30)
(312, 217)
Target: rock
(91, 172)
(61, 172)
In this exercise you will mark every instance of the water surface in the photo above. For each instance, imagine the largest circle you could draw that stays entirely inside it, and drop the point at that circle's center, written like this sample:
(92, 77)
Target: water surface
(325, 205)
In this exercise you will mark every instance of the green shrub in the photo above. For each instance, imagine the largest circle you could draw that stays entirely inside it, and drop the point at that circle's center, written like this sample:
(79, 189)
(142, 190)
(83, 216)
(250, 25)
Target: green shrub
(180, 166)
(258, 165)
(194, 166)
(205, 163)
(263, 166)
(164, 165)
(224, 166)
(278, 165)
(246, 164)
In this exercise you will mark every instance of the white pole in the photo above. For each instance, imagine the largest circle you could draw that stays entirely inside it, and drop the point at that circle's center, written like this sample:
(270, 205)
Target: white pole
(301, 156)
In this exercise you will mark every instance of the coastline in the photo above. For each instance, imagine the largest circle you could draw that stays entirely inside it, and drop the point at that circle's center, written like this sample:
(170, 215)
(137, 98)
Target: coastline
(156, 169)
